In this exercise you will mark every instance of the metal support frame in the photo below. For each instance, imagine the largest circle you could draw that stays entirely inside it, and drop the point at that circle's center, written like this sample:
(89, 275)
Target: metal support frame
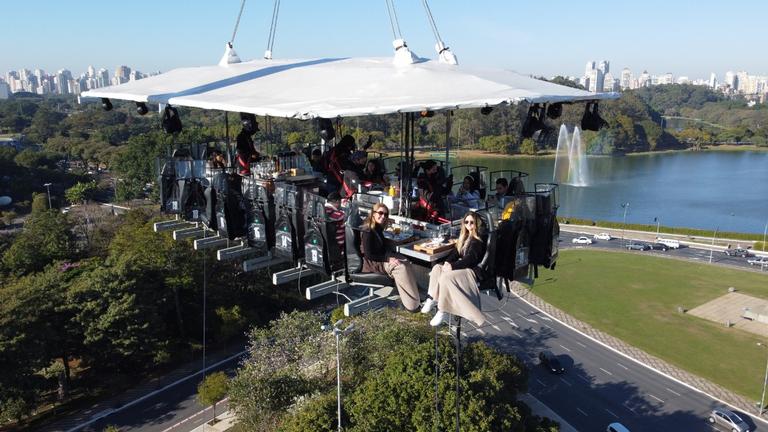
(171, 225)
(210, 242)
(290, 275)
(261, 262)
(371, 301)
(324, 288)
(238, 251)
(195, 232)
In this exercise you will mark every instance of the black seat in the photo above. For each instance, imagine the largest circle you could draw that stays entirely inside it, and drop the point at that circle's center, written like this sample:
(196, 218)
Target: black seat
(355, 261)
(489, 281)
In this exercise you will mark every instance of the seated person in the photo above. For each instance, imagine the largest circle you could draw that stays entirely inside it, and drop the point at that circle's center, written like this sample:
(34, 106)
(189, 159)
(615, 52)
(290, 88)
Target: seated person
(378, 258)
(316, 161)
(373, 173)
(453, 285)
(217, 160)
(246, 153)
(334, 213)
(433, 190)
(467, 195)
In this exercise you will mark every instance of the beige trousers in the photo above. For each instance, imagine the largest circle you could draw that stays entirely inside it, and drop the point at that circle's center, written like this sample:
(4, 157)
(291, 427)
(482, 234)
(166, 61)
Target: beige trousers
(456, 293)
(406, 284)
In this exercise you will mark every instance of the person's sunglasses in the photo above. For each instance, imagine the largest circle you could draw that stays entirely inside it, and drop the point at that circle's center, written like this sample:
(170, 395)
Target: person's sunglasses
(469, 222)
(382, 213)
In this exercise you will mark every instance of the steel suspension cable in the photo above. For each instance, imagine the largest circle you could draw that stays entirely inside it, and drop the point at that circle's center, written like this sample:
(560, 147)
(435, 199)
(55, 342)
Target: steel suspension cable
(393, 19)
(237, 23)
(273, 26)
(431, 21)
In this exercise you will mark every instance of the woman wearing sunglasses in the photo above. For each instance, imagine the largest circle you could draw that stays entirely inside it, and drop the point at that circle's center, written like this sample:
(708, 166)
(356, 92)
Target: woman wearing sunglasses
(378, 258)
(453, 284)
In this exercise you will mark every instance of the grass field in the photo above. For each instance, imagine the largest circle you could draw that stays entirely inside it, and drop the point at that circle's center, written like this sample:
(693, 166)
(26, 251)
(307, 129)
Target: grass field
(635, 298)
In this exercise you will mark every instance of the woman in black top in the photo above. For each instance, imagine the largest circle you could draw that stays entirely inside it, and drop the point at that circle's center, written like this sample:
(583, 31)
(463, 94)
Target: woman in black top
(377, 257)
(453, 285)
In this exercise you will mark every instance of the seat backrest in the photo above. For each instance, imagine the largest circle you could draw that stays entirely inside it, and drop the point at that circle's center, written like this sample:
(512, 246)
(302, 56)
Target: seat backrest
(354, 253)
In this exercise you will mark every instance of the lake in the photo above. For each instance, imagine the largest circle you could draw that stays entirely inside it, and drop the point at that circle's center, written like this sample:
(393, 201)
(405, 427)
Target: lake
(728, 190)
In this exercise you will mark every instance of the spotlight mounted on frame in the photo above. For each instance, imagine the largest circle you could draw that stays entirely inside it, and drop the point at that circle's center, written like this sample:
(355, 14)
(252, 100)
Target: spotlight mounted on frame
(534, 123)
(250, 125)
(426, 114)
(555, 110)
(141, 108)
(591, 119)
(171, 122)
(486, 110)
(106, 104)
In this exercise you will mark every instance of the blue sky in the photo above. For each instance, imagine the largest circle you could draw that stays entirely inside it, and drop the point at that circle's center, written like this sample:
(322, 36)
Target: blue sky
(691, 38)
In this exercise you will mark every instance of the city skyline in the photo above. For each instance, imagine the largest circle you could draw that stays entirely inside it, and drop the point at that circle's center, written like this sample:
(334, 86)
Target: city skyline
(152, 36)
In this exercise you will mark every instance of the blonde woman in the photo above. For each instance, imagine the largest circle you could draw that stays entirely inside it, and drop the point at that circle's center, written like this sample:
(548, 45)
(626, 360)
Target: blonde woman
(453, 284)
(378, 258)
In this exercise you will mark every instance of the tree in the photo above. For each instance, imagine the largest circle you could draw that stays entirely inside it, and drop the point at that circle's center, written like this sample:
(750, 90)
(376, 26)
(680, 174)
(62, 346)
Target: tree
(47, 236)
(81, 192)
(528, 146)
(39, 202)
(213, 389)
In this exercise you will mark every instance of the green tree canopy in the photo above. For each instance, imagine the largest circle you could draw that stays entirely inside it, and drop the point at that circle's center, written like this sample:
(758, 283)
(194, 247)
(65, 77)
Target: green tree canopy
(47, 236)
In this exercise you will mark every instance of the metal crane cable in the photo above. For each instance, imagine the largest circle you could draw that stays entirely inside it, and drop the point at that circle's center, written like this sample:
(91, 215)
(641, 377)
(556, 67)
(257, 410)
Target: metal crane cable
(237, 23)
(432, 21)
(393, 22)
(273, 26)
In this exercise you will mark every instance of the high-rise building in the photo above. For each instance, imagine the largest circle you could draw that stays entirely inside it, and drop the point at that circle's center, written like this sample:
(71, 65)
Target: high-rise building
(609, 83)
(731, 80)
(667, 78)
(590, 66)
(5, 90)
(604, 67)
(91, 72)
(626, 79)
(644, 80)
(712, 80)
(102, 78)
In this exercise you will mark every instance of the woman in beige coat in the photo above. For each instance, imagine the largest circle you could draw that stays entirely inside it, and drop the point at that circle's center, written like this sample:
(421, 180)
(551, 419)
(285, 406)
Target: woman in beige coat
(453, 284)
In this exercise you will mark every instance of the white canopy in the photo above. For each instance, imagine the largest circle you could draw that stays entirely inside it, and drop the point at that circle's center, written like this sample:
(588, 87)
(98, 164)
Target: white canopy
(339, 87)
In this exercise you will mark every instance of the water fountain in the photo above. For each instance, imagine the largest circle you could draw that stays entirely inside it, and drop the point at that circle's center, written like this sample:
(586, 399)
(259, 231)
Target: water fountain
(570, 159)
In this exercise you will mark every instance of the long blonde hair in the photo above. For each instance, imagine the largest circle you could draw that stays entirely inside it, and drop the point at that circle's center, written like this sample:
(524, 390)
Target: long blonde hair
(369, 222)
(465, 233)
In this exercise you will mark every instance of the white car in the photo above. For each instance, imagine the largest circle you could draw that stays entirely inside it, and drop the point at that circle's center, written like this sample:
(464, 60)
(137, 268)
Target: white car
(602, 236)
(761, 261)
(582, 240)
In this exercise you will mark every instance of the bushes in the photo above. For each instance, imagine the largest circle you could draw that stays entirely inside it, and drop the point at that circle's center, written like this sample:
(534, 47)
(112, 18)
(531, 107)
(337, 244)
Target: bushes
(663, 229)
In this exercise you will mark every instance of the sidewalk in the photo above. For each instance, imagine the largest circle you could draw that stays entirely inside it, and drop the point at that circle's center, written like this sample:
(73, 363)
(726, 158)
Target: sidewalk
(687, 378)
(225, 421)
(542, 410)
(115, 403)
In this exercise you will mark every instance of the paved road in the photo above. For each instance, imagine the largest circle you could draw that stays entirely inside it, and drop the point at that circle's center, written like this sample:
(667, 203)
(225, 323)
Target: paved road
(599, 385)
(685, 252)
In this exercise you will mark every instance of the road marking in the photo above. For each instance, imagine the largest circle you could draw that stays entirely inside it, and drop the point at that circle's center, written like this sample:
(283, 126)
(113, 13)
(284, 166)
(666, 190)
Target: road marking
(480, 331)
(546, 326)
(655, 398)
(527, 319)
(545, 318)
(533, 329)
(585, 379)
(625, 368)
(510, 322)
(579, 410)
(581, 344)
(605, 371)
(540, 382)
(610, 412)
(181, 422)
(565, 348)
(626, 405)
(566, 382)
(505, 313)
(672, 391)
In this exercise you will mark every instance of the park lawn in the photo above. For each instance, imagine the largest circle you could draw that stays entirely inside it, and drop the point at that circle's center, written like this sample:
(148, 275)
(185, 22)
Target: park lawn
(635, 297)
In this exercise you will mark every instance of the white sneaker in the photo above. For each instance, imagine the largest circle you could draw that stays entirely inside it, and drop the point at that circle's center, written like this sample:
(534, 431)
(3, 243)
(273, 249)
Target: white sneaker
(429, 304)
(438, 319)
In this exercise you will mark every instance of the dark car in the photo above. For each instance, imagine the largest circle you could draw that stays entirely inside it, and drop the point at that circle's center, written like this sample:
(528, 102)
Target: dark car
(738, 252)
(658, 246)
(638, 246)
(550, 361)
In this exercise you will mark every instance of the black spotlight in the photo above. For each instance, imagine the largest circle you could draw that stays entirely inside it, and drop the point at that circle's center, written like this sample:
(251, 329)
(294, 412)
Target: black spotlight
(555, 110)
(106, 104)
(250, 125)
(591, 119)
(534, 122)
(171, 121)
(327, 132)
(486, 110)
(426, 114)
(141, 108)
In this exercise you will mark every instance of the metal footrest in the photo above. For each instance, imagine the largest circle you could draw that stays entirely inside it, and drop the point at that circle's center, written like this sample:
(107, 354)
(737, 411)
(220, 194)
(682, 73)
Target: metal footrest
(324, 288)
(210, 243)
(171, 225)
(261, 262)
(363, 304)
(195, 232)
(289, 275)
(239, 251)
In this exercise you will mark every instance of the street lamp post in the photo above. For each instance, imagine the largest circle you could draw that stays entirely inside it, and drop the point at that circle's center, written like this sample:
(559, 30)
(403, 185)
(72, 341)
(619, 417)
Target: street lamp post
(658, 223)
(765, 380)
(48, 187)
(338, 333)
(625, 206)
(712, 248)
(765, 230)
